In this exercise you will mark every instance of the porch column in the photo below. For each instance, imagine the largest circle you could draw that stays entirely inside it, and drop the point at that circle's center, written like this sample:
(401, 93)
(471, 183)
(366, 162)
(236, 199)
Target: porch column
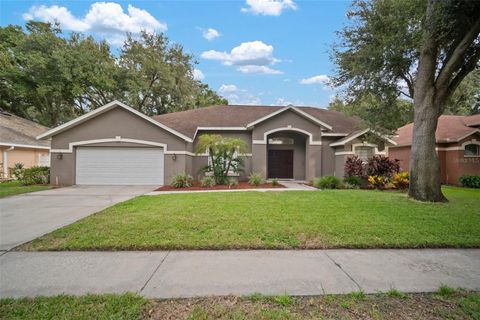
(259, 159)
(313, 161)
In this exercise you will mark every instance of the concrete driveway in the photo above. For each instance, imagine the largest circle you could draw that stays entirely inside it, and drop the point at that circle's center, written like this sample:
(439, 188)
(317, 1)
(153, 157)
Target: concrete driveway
(28, 216)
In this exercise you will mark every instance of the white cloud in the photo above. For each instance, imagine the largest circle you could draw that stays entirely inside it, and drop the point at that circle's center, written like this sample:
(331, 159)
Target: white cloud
(198, 75)
(236, 95)
(250, 57)
(268, 7)
(106, 19)
(227, 88)
(210, 34)
(258, 69)
(320, 79)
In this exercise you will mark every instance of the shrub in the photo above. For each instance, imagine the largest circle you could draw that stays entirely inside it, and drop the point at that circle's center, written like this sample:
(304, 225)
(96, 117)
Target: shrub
(354, 167)
(382, 166)
(353, 180)
(182, 180)
(327, 182)
(255, 179)
(377, 182)
(347, 185)
(401, 180)
(275, 182)
(207, 181)
(470, 181)
(35, 175)
(232, 182)
(18, 170)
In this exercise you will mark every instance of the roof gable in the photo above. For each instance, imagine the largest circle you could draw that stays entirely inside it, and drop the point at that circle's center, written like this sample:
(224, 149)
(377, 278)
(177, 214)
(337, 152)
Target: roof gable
(103, 109)
(293, 109)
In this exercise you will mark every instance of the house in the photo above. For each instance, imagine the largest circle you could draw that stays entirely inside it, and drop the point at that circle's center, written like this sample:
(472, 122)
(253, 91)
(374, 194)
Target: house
(116, 144)
(458, 146)
(18, 143)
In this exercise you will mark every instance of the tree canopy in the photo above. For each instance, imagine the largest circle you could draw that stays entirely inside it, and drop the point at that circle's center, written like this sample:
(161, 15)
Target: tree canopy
(422, 50)
(50, 78)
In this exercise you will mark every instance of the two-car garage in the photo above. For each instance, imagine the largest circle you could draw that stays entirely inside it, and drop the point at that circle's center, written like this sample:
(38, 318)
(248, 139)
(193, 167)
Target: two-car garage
(119, 166)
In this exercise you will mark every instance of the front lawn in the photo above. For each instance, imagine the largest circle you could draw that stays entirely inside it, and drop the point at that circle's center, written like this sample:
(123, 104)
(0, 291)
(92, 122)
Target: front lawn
(391, 305)
(11, 188)
(275, 220)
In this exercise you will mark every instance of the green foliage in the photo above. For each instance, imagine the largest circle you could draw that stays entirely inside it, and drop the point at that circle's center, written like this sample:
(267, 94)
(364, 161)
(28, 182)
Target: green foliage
(394, 293)
(102, 307)
(224, 155)
(358, 295)
(283, 300)
(275, 182)
(18, 170)
(353, 180)
(35, 175)
(207, 181)
(51, 79)
(232, 182)
(10, 188)
(378, 53)
(327, 182)
(255, 179)
(470, 181)
(182, 180)
(445, 291)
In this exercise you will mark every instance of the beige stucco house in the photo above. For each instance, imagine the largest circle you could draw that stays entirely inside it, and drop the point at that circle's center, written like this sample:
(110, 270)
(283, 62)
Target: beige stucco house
(116, 144)
(18, 144)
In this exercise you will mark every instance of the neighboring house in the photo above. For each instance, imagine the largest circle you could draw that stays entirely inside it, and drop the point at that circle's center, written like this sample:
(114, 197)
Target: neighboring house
(18, 143)
(116, 144)
(458, 146)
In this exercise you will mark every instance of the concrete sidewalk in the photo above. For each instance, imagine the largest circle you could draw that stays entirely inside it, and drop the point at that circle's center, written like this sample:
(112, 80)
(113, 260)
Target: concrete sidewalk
(169, 274)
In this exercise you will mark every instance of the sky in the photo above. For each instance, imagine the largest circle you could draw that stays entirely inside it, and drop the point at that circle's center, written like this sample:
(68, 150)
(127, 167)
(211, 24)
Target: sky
(270, 52)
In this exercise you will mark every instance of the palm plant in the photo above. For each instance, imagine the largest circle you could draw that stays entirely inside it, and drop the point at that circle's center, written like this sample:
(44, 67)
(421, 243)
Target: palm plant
(224, 154)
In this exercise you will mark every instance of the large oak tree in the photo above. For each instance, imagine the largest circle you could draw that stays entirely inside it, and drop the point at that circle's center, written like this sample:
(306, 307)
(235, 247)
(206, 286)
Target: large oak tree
(420, 49)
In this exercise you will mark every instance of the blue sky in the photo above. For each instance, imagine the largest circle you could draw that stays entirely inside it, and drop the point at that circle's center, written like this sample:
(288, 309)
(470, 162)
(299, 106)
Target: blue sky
(259, 51)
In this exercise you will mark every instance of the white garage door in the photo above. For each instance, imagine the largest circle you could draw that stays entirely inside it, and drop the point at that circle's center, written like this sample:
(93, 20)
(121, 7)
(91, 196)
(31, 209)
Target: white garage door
(119, 166)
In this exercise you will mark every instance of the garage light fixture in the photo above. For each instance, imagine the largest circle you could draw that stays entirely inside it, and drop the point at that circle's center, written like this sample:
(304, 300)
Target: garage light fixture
(174, 157)
(60, 156)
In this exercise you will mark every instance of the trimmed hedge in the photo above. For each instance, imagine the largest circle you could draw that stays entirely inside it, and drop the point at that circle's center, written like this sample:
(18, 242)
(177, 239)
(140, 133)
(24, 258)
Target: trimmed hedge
(470, 181)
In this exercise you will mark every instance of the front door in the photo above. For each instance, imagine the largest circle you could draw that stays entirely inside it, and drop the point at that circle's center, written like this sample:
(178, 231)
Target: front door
(280, 164)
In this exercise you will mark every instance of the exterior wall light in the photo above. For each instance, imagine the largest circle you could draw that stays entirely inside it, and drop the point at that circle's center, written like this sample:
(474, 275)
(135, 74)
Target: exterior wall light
(174, 157)
(60, 156)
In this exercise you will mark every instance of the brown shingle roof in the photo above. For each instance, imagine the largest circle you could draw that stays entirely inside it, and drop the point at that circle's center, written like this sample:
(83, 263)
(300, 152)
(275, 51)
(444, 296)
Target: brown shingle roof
(449, 129)
(187, 122)
(16, 130)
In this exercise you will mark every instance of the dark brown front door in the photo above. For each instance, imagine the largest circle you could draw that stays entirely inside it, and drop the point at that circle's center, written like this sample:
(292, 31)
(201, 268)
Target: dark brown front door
(280, 164)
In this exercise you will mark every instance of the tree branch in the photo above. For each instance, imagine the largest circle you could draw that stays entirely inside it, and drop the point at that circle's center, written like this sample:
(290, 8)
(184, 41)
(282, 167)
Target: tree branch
(456, 58)
(468, 67)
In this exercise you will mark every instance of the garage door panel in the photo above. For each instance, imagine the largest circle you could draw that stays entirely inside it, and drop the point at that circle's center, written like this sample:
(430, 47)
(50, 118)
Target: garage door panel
(121, 166)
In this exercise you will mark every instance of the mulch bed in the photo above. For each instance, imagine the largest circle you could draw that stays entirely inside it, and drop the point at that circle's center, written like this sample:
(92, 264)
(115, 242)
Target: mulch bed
(241, 185)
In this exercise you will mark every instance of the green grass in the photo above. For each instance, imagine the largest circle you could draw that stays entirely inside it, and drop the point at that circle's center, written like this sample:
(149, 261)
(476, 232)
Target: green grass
(457, 305)
(127, 306)
(11, 188)
(275, 220)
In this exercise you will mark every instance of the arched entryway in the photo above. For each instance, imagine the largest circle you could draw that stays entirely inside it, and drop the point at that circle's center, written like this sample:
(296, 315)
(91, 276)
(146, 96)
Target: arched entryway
(286, 155)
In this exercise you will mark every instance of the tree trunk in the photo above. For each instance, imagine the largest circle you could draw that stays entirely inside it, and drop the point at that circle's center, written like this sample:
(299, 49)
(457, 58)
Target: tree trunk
(428, 101)
(424, 163)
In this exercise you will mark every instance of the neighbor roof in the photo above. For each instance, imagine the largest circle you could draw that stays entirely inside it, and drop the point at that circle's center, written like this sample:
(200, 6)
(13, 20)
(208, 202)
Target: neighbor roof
(240, 116)
(450, 129)
(19, 132)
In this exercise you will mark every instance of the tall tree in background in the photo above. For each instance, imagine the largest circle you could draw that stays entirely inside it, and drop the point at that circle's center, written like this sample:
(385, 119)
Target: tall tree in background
(422, 49)
(51, 79)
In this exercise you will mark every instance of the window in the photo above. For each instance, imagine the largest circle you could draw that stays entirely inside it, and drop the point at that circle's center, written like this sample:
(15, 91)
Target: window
(472, 150)
(364, 153)
(281, 140)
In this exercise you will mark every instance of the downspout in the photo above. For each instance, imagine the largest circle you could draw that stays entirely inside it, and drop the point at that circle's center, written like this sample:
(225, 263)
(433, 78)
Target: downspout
(5, 161)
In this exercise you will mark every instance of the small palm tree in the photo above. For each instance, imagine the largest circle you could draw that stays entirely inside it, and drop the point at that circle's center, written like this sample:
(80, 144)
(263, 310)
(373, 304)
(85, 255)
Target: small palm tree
(223, 153)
